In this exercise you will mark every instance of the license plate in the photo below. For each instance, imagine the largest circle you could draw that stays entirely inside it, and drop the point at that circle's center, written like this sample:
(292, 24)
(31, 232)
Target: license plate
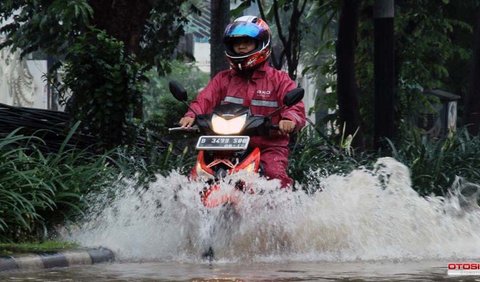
(223, 142)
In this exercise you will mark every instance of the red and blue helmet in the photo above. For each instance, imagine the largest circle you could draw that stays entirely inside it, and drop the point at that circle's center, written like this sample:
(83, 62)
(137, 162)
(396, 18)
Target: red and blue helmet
(252, 27)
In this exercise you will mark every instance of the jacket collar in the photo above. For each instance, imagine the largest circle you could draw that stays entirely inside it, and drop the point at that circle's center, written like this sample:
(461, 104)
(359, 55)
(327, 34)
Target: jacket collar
(258, 72)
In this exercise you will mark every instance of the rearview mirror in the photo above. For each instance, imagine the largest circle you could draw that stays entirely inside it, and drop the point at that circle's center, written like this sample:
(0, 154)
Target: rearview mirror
(294, 96)
(178, 91)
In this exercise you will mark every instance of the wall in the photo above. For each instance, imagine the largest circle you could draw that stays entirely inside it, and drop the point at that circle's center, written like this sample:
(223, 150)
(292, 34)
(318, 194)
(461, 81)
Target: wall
(22, 82)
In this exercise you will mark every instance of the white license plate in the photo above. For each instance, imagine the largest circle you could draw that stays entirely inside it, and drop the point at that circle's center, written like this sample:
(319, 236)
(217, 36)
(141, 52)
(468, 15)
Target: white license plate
(223, 142)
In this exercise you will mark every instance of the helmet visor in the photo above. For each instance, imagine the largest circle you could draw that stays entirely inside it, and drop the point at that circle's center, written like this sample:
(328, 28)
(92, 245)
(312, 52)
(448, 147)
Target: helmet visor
(242, 29)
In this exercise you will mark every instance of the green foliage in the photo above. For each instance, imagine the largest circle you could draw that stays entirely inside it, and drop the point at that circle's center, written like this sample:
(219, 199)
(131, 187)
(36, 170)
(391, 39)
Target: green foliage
(161, 109)
(313, 156)
(53, 26)
(41, 247)
(43, 25)
(145, 163)
(432, 49)
(162, 32)
(38, 191)
(165, 151)
(434, 164)
(318, 57)
(424, 51)
(104, 80)
(106, 84)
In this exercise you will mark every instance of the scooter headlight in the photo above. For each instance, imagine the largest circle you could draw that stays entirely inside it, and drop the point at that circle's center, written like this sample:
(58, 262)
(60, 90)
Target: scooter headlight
(228, 126)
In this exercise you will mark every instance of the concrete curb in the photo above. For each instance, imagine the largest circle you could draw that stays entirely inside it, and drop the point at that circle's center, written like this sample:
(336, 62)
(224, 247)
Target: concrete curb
(49, 260)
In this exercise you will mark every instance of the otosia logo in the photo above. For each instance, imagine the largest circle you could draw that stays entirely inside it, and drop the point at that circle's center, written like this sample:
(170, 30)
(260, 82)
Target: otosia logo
(463, 268)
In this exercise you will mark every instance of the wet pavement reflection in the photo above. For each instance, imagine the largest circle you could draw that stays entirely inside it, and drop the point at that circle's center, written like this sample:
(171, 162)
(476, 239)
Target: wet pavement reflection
(297, 271)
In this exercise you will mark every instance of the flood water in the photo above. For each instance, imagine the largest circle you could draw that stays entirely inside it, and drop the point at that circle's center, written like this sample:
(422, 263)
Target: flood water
(367, 225)
(295, 271)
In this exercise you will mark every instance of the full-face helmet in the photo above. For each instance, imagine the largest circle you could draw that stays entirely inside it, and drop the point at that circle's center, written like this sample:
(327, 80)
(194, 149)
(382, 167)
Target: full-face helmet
(250, 27)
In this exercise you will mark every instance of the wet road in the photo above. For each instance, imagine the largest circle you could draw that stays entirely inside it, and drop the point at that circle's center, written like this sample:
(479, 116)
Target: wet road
(295, 271)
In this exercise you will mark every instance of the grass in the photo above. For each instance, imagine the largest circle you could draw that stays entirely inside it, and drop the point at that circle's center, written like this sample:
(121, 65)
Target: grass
(7, 249)
(39, 190)
(313, 152)
(436, 163)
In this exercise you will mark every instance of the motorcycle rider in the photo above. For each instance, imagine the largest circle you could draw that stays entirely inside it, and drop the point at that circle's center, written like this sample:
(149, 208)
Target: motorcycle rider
(252, 82)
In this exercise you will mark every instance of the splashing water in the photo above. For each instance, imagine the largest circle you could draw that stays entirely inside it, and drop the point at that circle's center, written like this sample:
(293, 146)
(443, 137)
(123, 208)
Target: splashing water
(365, 215)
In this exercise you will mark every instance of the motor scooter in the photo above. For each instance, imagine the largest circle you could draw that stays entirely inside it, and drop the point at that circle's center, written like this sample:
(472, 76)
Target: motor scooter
(223, 146)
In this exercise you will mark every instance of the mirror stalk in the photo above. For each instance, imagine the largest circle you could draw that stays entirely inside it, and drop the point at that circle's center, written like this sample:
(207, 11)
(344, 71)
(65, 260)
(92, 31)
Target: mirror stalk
(188, 106)
(276, 111)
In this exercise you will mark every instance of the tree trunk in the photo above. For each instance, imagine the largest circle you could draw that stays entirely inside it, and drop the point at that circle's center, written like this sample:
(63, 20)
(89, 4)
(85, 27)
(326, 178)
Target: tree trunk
(384, 74)
(125, 20)
(472, 97)
(219, 19)
(122, 19)
(347, 90)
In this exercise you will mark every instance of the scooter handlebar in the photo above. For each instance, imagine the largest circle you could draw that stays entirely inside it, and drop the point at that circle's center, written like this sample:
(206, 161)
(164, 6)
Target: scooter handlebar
(184, 129)
(195, 128)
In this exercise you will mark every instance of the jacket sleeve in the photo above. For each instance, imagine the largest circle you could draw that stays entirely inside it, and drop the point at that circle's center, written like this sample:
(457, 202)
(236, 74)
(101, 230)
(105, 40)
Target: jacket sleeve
(208, 97)
(296, 112)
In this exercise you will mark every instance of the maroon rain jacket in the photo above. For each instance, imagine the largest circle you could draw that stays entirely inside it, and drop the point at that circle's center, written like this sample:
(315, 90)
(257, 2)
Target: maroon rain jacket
(263, 93)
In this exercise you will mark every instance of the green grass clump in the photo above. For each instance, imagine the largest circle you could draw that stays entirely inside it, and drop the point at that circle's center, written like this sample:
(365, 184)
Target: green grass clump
(313, 155)
(41, 247)
(435, 163)
(40, 190)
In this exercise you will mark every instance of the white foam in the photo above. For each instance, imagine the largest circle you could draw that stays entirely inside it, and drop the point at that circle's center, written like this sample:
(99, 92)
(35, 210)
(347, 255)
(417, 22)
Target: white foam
(365, 215)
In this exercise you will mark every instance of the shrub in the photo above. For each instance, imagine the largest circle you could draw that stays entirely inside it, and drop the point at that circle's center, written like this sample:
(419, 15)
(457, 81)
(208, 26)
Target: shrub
(161, 110)
(435, 163)
(313, 155)
(39, 191)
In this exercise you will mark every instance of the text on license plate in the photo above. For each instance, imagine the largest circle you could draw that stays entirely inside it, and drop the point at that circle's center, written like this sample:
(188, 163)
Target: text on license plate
(223, 142)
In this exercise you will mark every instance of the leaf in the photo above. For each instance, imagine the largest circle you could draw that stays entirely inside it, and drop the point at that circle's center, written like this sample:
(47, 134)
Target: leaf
(239, 10)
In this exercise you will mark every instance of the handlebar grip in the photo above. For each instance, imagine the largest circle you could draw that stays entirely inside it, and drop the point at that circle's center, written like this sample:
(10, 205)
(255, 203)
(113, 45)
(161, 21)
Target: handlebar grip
(274, 126)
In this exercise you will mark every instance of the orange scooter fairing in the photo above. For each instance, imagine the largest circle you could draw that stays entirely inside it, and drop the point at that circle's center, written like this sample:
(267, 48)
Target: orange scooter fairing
(212, 196)
(251, 163)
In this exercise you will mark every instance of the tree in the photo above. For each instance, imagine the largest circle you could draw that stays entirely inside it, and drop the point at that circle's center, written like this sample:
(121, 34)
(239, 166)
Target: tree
(291, 41)
(383, 72)
(105, 86)
(472, 97)
(123, 19)
(219, 19)
(53, 25)
(347, 90)
(286, 14)
(430, 52)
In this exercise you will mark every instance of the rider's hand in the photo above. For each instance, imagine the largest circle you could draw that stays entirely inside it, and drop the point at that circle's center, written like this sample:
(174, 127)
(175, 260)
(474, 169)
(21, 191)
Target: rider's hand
(186, 121)
(286, 126)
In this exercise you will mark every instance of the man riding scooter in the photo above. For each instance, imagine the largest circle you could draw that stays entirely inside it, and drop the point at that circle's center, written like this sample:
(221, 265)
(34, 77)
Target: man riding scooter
(252, 82)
